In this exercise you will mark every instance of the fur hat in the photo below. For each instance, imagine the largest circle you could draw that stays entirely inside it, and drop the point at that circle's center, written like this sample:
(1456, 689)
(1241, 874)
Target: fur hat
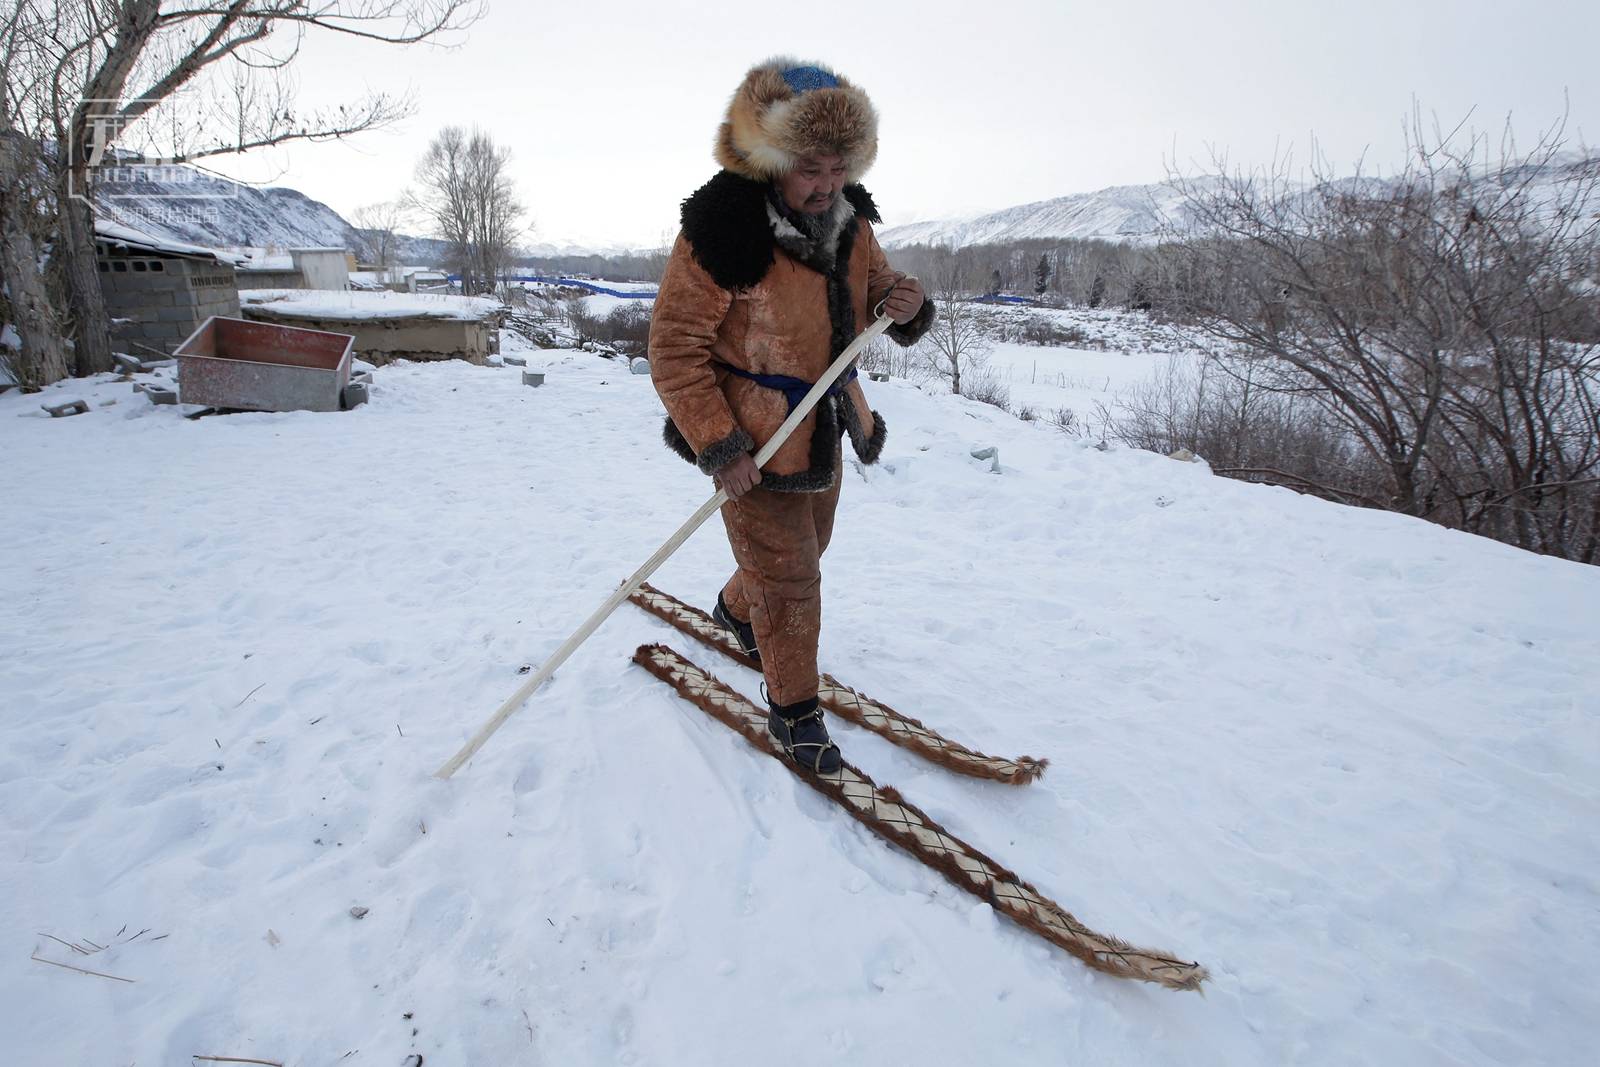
(785, 109)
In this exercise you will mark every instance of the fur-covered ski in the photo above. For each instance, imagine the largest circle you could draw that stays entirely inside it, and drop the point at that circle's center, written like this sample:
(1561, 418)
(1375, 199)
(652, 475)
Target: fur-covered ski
(891, 817)
(847, 703)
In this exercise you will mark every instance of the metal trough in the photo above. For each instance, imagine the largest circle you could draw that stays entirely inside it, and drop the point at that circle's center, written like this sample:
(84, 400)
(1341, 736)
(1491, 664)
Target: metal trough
(260, 366)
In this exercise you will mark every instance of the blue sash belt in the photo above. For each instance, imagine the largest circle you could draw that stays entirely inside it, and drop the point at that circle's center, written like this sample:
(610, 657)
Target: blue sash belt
(794, 390)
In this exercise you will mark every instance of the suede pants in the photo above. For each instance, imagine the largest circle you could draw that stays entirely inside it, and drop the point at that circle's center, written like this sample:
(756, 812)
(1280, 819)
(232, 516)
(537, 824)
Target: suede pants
(778, 540)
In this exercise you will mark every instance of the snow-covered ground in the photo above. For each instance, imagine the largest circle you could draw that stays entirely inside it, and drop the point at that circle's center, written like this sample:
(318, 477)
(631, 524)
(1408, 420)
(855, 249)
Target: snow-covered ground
(357, 304)
(1345, 759)
(1123, 352)
(627, 287)
(1086, 382)
(604, 303)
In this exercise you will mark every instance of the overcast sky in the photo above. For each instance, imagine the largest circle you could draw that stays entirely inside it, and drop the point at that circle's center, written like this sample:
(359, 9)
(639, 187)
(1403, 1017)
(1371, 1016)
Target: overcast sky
(609, 109)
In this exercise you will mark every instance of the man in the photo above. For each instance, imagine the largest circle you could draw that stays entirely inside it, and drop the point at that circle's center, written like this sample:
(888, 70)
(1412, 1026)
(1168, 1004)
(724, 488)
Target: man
(774, 273)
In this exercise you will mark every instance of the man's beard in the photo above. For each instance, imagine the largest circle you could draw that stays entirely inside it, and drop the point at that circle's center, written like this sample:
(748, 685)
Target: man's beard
(814, 224)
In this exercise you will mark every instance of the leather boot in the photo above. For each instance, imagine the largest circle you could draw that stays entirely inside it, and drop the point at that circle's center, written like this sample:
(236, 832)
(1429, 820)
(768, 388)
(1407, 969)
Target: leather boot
(743, 632)
(800, 730)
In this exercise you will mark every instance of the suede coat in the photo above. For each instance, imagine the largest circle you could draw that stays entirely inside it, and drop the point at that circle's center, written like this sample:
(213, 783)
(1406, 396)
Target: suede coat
(744, 289)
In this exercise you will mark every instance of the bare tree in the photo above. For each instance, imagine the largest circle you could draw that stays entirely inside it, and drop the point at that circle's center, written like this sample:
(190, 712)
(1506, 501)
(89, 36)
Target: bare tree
(81, 75)
(42, 354)
(1440, 324)
(585, 324)
(955, 343)
(466, 192)
(378, 226)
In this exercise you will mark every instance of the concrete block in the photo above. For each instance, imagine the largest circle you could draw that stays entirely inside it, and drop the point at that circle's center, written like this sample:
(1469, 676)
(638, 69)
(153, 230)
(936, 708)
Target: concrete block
(355, 394)
(514, 361)
(532, 378)
(160, 394)
(65, 408)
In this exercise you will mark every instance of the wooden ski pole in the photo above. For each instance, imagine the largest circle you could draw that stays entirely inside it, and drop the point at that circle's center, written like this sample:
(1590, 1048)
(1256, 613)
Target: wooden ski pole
(516, 700)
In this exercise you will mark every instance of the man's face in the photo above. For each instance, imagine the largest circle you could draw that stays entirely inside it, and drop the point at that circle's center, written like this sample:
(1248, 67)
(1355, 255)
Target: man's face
(813, 185)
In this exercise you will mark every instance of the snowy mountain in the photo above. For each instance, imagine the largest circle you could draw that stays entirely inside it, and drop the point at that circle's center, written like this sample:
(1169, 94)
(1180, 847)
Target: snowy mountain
(185, 204)
(1343, 758)
(1141, 212)
(1120, 213)
(551, 250)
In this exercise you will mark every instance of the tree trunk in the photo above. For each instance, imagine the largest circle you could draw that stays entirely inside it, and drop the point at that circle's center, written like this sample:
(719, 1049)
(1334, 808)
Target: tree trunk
(43, 358)
(91, 325)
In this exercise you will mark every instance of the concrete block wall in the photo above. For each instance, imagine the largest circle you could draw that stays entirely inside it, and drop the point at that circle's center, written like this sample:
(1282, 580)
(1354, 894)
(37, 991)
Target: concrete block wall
(164, 299)
(271, 279)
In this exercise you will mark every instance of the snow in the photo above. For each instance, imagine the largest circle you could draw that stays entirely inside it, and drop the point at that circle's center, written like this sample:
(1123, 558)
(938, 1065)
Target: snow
(603, 304)
(116, 232)
(352, 304)
(1345, 759)
(260, 259)
(1079, 380)
(1132, 351)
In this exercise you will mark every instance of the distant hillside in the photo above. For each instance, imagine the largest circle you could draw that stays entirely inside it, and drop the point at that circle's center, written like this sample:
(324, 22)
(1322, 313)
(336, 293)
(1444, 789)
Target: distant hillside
(1136, 213)
(190, 206)
(200, 209)
(1120, 213)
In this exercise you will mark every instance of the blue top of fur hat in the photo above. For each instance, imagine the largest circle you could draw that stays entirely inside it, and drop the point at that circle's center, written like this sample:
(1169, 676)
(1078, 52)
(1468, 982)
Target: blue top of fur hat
(805, 79)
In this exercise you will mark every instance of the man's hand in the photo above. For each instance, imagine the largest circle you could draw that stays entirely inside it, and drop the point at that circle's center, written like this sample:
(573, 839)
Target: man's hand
(738, 477)
(904, 300)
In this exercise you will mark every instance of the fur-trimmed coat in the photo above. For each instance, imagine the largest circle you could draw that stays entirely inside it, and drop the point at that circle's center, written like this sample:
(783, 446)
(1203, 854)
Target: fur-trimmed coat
(744, 288)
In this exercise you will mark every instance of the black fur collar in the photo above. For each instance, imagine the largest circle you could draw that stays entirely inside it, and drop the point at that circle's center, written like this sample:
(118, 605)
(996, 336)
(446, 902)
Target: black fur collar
(725, 222)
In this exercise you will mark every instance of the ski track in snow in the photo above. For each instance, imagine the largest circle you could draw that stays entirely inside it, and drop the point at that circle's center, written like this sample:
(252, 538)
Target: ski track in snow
(1342, 758)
